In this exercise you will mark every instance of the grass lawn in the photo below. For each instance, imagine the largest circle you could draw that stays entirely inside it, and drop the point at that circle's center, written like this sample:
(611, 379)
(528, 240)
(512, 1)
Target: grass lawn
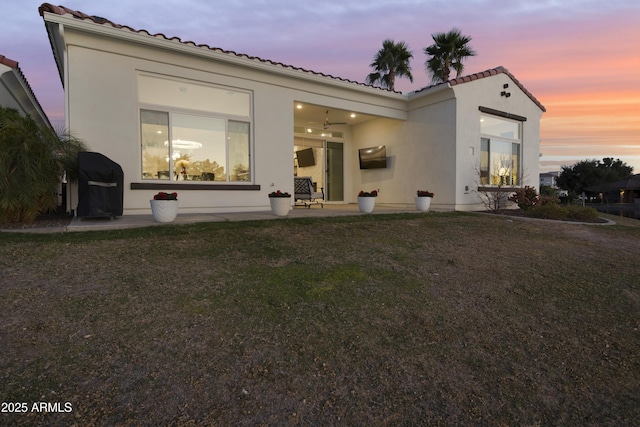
(439, 319)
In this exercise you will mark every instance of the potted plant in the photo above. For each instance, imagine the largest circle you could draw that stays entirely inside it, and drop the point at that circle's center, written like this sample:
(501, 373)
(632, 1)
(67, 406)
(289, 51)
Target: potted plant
(423, 200)
(280, 203)
(164, 206)
(367, 201)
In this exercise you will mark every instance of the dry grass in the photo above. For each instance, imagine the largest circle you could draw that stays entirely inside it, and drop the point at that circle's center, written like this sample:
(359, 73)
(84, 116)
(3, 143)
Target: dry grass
(441, 319)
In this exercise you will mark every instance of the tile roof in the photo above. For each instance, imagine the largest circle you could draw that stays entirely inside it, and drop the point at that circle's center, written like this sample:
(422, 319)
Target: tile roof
(488, 73)
(8, 62)
(25, 83)
(62, 10)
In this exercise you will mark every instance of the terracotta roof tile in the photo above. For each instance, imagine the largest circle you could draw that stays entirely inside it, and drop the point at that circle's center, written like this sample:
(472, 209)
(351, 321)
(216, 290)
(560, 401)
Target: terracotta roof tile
(8, 62)
(62, 10)
(488, 73)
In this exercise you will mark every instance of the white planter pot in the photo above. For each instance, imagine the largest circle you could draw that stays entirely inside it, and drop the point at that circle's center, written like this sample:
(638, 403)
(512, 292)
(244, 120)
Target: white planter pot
(423, 203)
(280, 206)
(366, 204)
(164, 210)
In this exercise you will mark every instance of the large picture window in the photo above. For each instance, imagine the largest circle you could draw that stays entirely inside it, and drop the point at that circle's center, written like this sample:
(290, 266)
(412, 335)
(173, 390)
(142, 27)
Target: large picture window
(179, 145)
(499, 151)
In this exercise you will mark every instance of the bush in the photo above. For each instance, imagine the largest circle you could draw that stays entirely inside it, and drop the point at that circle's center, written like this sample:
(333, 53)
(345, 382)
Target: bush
(547, 190)
(566, 200)
(549, 211)
(579, 213)
(548, 200)
(563, 213)
(525, 198)
(32, 161)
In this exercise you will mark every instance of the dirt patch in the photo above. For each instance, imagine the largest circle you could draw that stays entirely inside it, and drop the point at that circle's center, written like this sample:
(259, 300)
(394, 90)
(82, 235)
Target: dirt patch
(41, 221)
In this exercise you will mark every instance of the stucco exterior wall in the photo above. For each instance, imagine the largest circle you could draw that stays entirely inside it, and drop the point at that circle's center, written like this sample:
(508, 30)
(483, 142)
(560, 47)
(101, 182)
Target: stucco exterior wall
(487, 93)
(420, 155)
(103, 109)
(432, 137)
(432, 127)
(389, 133)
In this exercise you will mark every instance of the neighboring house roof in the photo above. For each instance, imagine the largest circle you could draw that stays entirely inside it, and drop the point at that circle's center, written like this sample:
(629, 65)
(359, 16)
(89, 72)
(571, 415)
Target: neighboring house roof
(19, 89)
(488, 73)
(8, 62)
(631, 183)
(62, 11)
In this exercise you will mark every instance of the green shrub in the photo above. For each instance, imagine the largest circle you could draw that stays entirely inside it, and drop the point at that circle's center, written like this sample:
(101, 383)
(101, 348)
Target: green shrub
(580, 213)
(548, 199)
(563, 212)
(548, 211)
(525, 198)
(547, 190)
(566, 200)
(32, 161)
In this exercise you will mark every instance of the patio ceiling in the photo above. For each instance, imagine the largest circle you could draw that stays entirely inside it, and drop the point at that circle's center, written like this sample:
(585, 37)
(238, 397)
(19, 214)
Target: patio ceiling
(309, 115)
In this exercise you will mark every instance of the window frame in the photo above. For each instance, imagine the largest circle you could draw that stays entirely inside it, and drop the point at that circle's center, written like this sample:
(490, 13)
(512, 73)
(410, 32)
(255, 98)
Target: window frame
(173, 110)
(513, 142)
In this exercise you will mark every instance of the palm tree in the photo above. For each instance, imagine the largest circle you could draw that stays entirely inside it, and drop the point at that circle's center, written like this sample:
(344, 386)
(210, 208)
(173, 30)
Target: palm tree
(390, 62)
(32, 160)
(448, 51)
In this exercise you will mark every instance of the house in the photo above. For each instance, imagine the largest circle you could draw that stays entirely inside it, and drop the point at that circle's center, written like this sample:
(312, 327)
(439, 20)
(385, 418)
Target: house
(225, 129)
(623, 191)
(16, 93)
(549, 179)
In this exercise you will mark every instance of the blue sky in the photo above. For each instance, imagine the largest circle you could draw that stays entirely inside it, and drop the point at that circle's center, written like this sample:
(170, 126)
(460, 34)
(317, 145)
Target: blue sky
(580, 58)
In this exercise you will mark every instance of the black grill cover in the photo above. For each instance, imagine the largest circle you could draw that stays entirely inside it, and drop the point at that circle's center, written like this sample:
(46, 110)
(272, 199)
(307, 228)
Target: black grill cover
(100, 186)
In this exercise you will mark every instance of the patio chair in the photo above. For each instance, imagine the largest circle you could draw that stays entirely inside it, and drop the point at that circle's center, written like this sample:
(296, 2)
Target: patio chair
(305, 193)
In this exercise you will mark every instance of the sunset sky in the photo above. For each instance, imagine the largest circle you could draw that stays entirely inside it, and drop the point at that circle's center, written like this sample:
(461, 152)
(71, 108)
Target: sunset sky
(579, 58)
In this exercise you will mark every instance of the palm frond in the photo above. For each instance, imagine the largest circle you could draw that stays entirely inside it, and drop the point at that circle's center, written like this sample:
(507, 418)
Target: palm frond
(32, 161)
(391, 61)
(448, 51)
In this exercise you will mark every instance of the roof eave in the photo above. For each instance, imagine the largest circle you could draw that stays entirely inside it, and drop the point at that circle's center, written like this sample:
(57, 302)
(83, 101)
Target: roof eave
(430, 90)
(495, 71)
(56, 24)
(55, 31)
(476, 76)
(22, 92)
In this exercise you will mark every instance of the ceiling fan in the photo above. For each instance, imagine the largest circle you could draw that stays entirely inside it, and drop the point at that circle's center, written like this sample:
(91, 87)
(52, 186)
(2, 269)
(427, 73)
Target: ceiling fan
(327, 123)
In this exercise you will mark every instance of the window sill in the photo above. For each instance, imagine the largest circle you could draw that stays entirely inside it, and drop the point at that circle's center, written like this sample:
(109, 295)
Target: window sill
(497, 188)
(190, 186)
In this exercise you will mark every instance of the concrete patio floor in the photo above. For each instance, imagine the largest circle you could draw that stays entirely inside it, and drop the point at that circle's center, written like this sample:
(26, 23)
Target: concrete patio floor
(136, 221)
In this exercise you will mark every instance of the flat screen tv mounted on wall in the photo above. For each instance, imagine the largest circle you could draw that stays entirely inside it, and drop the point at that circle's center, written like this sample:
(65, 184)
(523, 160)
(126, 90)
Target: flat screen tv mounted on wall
(373, 157)
(305, 158)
